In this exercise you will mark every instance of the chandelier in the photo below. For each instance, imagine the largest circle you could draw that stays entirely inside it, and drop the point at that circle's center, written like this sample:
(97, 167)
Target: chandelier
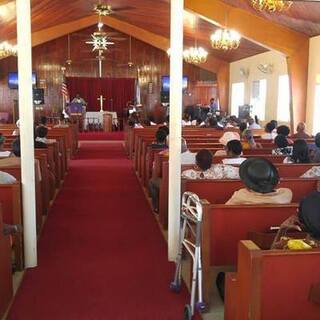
(271, 5)
(225, 39)
(194, 55)
(7, 50)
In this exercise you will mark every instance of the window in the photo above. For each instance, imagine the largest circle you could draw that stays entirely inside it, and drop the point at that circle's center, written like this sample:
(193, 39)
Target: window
(283, 113)
(237, 97)
(316, 117)
(258, 98)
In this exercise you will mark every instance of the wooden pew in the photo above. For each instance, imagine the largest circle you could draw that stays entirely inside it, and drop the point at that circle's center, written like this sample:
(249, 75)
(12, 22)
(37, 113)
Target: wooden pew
(273, 284)
(224, 226)
(6, 288)
(10, 198)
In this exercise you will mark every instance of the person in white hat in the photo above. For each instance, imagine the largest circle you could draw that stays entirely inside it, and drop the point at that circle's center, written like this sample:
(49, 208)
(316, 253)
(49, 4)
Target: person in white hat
(227, 136)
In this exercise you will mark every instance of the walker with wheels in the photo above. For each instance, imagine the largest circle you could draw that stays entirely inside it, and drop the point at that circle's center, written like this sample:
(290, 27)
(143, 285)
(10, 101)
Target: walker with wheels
(190, 239)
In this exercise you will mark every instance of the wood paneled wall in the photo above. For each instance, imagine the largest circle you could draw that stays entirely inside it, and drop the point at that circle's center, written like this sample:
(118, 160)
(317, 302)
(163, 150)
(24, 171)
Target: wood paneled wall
(50, 57)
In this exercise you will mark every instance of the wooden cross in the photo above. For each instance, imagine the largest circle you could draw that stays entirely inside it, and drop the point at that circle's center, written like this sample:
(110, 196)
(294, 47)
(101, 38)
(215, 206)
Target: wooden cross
(101, 99)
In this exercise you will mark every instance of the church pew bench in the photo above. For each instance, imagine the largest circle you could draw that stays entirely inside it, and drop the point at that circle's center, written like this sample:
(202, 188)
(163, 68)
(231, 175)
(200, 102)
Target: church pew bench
(62, 150)
(10, 199)
(6, 287)
(224, 226)
(273, 284)
(220, 191)
(16, 172)
(150, 157)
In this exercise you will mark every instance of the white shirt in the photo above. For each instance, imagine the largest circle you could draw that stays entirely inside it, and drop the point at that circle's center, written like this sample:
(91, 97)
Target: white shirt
(6, 178)
(217, 171)
(185, 123)
(254, 126)
(314, 172)
(233, 160)
(4, 154)
(188, 157)
(269, 136)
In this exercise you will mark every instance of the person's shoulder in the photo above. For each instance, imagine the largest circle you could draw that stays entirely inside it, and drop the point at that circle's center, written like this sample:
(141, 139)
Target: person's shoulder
(6, 178)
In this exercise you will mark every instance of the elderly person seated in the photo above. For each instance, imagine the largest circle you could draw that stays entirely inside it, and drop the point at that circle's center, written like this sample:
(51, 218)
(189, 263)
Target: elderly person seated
(261, 178)
(301, 132)
(234, 152)
(204, 168)
(253, 124)
(248, 142)
(227, 136)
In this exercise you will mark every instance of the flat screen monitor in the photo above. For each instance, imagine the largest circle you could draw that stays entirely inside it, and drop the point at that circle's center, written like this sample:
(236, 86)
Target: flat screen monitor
(13, 82)
(166, 83)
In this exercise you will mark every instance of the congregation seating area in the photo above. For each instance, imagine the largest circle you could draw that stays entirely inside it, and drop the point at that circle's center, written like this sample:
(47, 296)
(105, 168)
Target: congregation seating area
(264, 280)
(51, 167)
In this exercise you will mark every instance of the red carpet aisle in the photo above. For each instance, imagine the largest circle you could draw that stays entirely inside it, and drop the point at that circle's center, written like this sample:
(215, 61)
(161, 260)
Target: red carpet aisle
(101, 255)
(92, 136)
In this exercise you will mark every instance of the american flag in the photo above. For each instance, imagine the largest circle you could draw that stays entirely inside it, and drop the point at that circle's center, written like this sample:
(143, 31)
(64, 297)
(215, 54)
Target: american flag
(65, 92)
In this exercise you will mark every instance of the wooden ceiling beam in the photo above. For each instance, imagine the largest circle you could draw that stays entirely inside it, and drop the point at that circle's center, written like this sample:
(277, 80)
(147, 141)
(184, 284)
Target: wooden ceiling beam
(46, 35)
(213, 64)
(257, 29)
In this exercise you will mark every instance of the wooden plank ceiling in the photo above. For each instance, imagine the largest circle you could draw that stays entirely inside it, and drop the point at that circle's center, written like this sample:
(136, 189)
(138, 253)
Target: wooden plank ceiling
(154, 16)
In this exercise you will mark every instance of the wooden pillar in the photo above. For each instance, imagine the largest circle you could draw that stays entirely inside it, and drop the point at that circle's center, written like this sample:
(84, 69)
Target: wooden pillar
(176, 75)
(223, 77)
(298, 75)
(23, 8)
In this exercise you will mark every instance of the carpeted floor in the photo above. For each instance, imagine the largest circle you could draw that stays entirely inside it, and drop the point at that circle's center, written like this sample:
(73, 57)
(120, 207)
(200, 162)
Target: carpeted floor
(101, 254)
(94, 136)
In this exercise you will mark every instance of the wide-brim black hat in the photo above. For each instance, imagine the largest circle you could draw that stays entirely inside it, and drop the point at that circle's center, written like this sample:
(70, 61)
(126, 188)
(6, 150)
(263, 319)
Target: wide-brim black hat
(259, 175)
(309, 214)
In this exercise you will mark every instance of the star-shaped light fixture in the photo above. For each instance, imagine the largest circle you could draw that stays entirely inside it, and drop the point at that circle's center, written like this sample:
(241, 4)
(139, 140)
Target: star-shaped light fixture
(99, 41)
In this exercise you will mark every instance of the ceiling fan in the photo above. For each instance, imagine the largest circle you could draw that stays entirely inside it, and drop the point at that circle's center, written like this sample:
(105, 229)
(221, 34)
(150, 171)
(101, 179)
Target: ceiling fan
(106, 10)
(129, 64)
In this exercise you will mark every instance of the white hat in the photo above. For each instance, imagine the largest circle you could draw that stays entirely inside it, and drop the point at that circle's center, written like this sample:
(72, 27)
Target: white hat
(228, 136)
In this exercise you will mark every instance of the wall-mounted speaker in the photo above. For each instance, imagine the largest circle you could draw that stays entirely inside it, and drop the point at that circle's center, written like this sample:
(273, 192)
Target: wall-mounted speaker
(38, 96)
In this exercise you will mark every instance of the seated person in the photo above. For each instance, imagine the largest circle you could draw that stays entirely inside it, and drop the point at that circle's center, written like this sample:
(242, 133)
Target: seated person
(43, 121)
(40, 138)
(300, 153)
(16, 132)
(301, 132)
(3, 153)
(260, 177)
(269, 133)
(314, 150)
(161, 139)
(227, 136)
(204, 168)
(283, 147)
(248, 142)
(253, 124)
(213, 124)
(134, 121)
(186, 120)
(63, 121)
(234, 152)
(285, 131)
(243, 127)
(307, 220)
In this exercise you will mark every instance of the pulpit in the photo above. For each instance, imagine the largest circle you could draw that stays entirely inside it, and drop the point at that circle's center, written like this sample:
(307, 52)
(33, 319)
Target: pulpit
(107, 122)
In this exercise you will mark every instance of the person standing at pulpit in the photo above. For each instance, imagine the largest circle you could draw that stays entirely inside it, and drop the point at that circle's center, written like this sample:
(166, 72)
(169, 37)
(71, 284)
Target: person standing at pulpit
(79, 100)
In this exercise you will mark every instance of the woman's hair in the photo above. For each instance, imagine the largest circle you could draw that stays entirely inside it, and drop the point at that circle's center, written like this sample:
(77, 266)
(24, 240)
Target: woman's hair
(243, 126)
(161, 135)
(317, 140)
(165, 128)
(235, 147)
(281, 141)
(284, 130)
(41, 132)
(212, 122)
(274, 123)
(204, 159)
(269, 127)
(43, 120)
(300, 153)
(16, 147)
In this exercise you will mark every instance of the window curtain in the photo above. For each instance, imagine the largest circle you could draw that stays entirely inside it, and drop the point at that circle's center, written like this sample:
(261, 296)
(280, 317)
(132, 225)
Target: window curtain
(116, 91)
